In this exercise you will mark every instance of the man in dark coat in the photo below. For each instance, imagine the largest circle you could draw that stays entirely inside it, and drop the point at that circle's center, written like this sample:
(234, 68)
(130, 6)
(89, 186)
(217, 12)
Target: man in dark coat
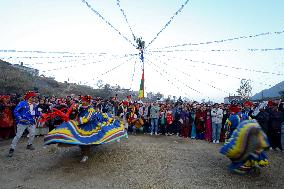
(274, 130)
(263, 119)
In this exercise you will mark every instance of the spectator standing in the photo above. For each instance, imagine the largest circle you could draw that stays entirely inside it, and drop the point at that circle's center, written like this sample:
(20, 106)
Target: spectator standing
(274, 130)
(6, 117)
(25, 118)
(217, 116)
(154, 115)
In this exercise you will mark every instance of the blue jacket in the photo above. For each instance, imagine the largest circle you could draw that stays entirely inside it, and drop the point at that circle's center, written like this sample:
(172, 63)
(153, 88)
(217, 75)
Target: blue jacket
(22, 112)
(233, 121)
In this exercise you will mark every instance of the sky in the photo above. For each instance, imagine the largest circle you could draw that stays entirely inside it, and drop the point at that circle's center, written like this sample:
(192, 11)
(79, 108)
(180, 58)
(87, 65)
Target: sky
(97, 52)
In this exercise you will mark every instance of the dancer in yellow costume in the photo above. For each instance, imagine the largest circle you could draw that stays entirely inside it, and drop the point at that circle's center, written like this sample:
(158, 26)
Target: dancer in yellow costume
(246, 148)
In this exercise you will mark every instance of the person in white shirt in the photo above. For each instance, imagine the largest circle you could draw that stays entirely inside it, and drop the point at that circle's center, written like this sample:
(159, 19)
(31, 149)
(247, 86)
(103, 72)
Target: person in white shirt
(217, 116)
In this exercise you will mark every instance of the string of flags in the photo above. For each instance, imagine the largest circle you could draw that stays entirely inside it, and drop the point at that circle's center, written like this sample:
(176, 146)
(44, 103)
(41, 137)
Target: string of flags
(161, 71)
(107, 22)
(167, 73)
(224, 40)
(112, 69)
(168, 23)
(125, 18)
(84, 64)
(167, 79)
(223, 74)
(187, 74)
(232, 67)
(216, 50)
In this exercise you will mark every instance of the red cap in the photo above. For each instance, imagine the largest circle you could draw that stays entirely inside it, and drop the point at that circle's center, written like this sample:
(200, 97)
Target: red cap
(86, 98)
(29, 94)
(234, 109)
(248, 104)
(4, 97)
(271, 103)
(125, 103)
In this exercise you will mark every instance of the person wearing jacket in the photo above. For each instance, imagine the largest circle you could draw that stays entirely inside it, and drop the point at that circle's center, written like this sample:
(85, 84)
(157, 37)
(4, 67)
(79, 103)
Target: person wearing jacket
(276, 118)
(217, 116)
(263, 119)
(154, 115)
(25, 113)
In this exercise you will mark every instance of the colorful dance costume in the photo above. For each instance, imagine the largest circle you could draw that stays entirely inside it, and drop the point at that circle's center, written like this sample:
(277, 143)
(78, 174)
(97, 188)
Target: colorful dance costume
(246, 147)
(91, 128)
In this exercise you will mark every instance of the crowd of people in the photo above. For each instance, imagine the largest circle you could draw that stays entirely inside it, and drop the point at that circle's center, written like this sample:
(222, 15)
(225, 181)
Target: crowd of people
(85, 121)
(185, 119)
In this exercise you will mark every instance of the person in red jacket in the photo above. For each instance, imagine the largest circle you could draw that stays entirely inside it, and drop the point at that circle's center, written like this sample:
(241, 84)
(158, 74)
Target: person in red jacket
(169, 122)
(6, 117)
(200, 122)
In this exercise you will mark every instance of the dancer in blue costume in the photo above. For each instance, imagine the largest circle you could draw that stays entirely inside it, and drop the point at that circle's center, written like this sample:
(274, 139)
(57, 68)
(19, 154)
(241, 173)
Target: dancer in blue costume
(246, 148)
(233, 121)
(235, 118)
(90, 128)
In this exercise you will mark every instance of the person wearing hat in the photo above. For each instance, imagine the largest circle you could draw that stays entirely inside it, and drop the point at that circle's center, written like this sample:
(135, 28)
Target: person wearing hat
(25, 118)
(84, 116)
(89, 128)
(246, 148)
(237, 116)
(233, 121)
(247, 110)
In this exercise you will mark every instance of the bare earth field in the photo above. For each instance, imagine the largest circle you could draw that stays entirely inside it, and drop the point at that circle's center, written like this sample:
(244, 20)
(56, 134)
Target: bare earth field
(141, 161)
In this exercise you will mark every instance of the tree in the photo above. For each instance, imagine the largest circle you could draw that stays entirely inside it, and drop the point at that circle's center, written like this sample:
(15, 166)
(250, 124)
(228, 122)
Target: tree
(245, 89)
(179, 100)
(107, 92)
(100, 84)
(159, 96)
(185, 99)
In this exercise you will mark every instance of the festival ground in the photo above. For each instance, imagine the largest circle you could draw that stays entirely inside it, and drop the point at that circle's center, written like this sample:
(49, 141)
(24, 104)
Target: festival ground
(142, 161)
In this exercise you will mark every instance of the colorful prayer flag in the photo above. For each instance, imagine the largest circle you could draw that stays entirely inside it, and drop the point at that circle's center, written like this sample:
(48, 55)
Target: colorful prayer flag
(141, 90)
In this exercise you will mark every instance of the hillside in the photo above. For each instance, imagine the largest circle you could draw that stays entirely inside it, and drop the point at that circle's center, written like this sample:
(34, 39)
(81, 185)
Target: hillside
(271, 92)
(18, 79)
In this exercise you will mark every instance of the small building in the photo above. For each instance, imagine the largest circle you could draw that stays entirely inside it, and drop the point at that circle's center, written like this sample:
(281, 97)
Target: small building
(229, 99)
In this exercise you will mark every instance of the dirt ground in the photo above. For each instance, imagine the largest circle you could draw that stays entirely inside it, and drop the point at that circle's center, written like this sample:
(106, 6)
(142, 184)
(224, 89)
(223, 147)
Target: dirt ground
(141, 161)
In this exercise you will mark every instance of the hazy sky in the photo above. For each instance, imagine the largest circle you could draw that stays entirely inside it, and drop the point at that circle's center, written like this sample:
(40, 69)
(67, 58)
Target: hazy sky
(70, 26)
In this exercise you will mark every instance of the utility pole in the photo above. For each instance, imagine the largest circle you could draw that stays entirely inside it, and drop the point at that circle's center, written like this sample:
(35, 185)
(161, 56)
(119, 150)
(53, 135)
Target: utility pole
(140, 47)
